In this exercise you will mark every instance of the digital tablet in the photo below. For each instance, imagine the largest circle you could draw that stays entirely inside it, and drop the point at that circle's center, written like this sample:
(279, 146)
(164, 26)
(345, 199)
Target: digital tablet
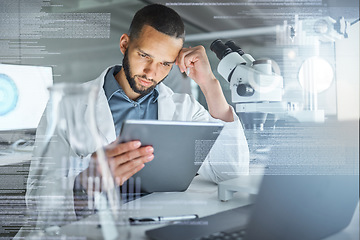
(179, 150)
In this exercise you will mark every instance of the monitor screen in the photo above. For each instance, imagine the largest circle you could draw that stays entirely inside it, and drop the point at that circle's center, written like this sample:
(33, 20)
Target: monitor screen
(23, 95)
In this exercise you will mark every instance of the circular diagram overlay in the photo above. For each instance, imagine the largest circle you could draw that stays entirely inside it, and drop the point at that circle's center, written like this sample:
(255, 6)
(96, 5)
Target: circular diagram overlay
(8, 94)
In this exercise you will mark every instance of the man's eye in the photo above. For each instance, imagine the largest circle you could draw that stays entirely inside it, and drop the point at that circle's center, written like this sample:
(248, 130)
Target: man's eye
(143, 55)
(165, 64)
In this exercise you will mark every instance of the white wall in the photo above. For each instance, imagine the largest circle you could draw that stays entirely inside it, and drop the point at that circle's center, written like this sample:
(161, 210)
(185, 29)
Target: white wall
(347, 74)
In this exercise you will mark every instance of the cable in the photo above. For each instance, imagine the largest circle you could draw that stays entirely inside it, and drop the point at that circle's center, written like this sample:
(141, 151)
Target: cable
(354, 22)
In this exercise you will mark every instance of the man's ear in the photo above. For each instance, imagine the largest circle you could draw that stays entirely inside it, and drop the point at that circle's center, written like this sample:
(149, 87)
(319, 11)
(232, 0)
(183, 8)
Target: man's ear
(124, 42)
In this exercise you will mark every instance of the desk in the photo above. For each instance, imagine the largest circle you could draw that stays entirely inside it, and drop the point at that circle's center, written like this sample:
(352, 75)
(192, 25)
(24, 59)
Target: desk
(14, 158)
(201, 198)
(11, 156)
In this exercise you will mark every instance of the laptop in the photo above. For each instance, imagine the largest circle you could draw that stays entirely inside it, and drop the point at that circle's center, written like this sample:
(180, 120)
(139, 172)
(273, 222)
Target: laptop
(287, 207)
(297, 206)
(179, 150)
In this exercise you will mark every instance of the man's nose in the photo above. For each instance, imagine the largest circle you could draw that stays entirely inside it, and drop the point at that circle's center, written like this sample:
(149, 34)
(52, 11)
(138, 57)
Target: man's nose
(150, 69)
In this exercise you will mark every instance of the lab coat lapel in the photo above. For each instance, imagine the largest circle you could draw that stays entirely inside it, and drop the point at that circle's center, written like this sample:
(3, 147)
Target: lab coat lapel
(103, 114)
(104, 118)
(166, 106)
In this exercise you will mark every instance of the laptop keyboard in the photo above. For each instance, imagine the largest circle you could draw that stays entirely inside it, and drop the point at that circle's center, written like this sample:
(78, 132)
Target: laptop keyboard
(237, 235)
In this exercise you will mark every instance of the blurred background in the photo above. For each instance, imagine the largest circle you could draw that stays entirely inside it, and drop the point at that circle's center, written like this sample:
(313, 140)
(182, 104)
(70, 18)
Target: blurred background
(80, 38)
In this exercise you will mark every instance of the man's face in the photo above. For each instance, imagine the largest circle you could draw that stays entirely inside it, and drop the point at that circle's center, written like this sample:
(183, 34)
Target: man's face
(149, 58)
(131, 78)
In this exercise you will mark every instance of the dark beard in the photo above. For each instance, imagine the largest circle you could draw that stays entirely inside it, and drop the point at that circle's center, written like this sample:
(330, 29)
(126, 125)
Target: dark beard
(131, 80)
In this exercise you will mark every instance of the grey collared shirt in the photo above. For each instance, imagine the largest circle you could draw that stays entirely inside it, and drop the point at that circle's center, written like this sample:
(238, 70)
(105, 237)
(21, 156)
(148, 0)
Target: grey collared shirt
(122, 107)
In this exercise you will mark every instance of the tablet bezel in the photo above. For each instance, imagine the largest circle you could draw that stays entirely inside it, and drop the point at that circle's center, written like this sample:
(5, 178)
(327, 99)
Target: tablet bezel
(175, 173)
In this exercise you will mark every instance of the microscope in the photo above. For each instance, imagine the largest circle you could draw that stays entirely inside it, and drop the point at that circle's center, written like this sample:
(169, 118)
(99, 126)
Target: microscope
(256, 90)
(261, 97)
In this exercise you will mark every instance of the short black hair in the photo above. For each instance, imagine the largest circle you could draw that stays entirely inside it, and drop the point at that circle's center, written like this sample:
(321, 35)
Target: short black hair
(161, 18)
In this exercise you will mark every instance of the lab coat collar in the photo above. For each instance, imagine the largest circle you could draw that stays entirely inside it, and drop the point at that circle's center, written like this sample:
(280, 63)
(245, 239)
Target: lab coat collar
(166, 108)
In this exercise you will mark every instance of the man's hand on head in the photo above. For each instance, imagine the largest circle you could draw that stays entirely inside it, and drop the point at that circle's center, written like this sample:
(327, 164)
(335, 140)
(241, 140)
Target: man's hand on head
(194, 61)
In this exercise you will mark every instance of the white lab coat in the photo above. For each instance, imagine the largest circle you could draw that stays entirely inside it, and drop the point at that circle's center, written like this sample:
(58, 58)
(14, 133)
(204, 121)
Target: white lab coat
(228, 158)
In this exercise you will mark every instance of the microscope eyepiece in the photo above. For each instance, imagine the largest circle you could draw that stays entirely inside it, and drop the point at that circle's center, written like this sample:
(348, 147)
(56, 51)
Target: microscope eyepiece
(220, 49)
(231, 44)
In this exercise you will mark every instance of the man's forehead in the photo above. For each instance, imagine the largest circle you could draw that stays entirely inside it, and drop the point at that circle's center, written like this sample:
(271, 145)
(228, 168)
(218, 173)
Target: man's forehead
(148, 31)
(154, 56)
(158, 44)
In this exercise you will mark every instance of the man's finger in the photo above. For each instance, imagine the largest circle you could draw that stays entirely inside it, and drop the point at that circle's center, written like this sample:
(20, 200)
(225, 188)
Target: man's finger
(131, 155)
(120, 148)
(125, 176)
(187, 57)
(181, 59)
(126, 170)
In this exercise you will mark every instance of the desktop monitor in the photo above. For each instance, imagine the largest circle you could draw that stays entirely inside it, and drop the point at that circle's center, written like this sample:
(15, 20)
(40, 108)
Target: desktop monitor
(23, 95)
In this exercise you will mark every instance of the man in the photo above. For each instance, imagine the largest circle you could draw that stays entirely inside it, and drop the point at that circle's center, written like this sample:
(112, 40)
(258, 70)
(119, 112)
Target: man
(134, 90)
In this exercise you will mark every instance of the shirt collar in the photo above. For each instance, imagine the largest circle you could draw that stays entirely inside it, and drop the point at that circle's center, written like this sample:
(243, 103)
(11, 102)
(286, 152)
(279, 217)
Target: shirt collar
(111, 86)
(156, 93)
